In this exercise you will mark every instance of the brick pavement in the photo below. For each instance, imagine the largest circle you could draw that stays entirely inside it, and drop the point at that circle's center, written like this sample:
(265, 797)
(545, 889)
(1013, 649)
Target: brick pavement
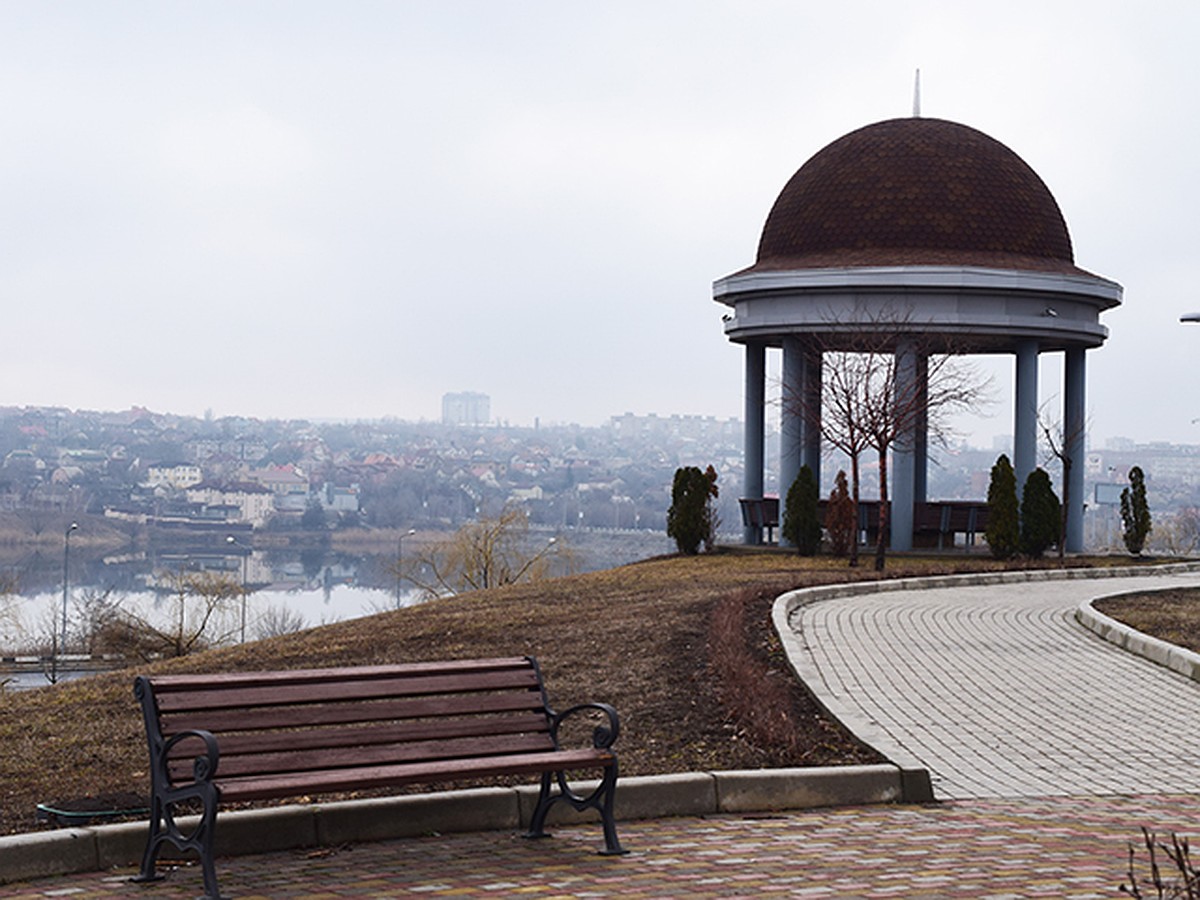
(999, 692)
(1072, 848)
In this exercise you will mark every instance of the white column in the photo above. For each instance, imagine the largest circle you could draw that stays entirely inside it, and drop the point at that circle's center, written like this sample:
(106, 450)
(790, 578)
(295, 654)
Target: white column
(1025, 409)
(921, 447)
(904, 449)
(811, 453)
(791, 421)
(755, 424)
(1075, 442)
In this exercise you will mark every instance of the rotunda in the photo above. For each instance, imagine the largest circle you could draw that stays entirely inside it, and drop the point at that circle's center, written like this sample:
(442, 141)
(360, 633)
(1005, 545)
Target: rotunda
(925, 236)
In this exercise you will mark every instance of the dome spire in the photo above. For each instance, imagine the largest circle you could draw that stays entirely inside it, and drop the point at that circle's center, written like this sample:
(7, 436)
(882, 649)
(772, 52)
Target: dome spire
(917, 95)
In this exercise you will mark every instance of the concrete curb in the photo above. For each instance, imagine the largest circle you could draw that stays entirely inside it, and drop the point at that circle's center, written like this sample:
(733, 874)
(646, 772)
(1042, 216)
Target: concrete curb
(1177, 659)
(240, 832)
(868, 731)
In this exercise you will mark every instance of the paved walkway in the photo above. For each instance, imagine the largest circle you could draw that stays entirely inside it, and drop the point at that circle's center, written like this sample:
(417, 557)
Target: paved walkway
(999, 692)
(1068, 848)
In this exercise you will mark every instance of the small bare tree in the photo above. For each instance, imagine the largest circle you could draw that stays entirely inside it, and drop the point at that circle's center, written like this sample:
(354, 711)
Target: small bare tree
(203, 603)
(489, 552)
(1179, 535)
(1178, 855)
(1057, 440)
(868, 403)
(277, 621)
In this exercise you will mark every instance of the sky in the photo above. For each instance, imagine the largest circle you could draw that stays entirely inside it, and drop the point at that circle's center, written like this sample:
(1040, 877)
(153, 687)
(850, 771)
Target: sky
(344, 210)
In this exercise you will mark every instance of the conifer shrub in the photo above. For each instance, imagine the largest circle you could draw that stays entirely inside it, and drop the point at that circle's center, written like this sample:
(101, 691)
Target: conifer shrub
(1003, 532)
(687, 517)
(802, 513)
(1040, 512)
(1135, 512)
(840, 517)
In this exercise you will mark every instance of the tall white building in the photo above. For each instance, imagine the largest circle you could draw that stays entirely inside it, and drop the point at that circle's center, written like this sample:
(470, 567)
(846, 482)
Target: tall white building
(466, 408)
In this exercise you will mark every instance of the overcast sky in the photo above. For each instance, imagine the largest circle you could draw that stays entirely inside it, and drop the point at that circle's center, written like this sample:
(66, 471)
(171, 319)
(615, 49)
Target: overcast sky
(345, 210)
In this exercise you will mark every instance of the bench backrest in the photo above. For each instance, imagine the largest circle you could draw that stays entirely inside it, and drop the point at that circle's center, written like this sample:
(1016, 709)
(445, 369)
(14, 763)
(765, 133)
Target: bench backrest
(308, 719)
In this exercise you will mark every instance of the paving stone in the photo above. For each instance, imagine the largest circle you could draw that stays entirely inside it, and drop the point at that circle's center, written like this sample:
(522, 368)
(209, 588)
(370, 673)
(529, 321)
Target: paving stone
(1067, 847)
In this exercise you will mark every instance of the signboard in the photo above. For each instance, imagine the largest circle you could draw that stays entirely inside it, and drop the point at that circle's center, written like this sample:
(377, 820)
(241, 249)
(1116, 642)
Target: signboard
(1108, 494)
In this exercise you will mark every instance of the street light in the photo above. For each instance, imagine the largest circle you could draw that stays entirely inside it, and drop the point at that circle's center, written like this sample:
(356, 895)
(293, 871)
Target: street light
(66, 571)
(233, 542)
(1190, 317)
(400, 560)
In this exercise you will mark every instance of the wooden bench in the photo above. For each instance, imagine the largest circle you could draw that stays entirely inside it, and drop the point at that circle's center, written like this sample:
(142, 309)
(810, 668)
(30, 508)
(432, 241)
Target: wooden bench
(266, 735)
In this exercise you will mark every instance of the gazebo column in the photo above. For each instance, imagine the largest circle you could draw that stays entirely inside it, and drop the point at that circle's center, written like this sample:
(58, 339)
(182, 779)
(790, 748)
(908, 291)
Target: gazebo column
(1074, 443)
(921, 448)
(1025, 410)
(810, 454)
(791, 422)
(755, 399)
(904, 449)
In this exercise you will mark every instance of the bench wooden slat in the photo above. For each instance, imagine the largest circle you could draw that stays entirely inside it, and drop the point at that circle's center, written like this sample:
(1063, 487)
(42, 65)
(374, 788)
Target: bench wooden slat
(260, 788)
(166, 684)
(376, 754)
(439, 729)
(331, 714)
(240, 697)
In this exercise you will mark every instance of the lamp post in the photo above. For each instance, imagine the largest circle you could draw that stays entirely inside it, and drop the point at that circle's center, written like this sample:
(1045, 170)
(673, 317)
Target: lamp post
(400, 560)
(233, 542)
(66, 573)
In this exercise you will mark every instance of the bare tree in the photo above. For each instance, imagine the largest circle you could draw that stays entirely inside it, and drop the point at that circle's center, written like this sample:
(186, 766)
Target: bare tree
(898, 405)
(198, 619)
(489, 552)
(1179, 535)
(277, 621)
(1057, 440)
(868, 403)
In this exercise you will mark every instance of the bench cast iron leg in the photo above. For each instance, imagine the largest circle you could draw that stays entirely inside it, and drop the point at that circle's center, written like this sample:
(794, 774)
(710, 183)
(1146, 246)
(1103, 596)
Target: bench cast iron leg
(608, 789)
(601, 800)
(154, 843)
(537, 824)
(163, 828)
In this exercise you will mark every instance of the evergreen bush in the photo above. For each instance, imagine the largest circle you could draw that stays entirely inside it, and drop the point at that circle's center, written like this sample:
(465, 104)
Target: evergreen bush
(802, 514)
(687, 518)
(1040, 512)
(1003, 532)
(1135, 512)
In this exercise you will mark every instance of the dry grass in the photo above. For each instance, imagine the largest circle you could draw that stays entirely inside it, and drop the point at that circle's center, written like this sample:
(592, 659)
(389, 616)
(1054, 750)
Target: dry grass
(686, 679)
(1172, 615)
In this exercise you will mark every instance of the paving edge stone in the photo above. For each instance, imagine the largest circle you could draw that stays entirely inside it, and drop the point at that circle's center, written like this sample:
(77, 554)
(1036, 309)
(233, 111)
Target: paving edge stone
(68, 850)
(1176, 658)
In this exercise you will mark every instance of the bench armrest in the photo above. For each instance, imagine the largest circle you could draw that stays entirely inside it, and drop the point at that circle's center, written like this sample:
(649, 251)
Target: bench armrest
(603, 736)
(204, 767)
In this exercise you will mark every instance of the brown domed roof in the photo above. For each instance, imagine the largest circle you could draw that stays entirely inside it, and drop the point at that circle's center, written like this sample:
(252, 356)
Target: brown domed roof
(916, 192)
